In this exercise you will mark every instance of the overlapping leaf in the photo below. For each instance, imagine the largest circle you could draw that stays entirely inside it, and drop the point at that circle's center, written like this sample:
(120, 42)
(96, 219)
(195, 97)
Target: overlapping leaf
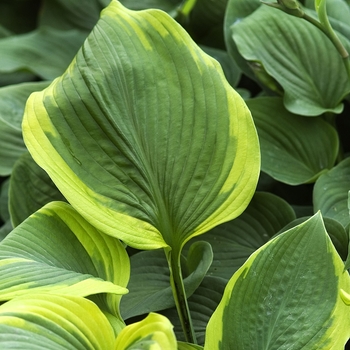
(288, 295)
(46, 51)
(56, 250)
(12, 102)
(31, 188)
(234, 241)
(165, 5)
(296, 58)
(330, 194)
(202, 303)
(54, 322)
(69, 14)
(143, 135)
(236, 10)
(4, 210)
(153, 332)
(335, 230)
(294, 149)
(149, 284)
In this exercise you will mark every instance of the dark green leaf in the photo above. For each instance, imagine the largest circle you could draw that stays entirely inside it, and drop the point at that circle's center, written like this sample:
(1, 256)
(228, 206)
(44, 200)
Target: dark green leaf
(301, 58)
(202, 305)
(294, 149)
(234, 241)
(31, 188)
(46, 51)
(288, 295)
(149, 285)
(12, 102)
(330, 194)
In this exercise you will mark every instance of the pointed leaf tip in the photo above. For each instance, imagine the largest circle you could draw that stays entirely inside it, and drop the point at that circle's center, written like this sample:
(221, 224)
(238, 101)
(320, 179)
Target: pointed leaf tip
(151, 156)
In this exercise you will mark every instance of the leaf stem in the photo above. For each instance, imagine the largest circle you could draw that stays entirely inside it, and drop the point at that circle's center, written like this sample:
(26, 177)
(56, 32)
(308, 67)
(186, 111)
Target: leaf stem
(179, 294)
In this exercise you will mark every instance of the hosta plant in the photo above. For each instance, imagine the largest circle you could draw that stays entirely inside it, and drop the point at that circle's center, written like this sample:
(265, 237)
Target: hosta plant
(134, 216)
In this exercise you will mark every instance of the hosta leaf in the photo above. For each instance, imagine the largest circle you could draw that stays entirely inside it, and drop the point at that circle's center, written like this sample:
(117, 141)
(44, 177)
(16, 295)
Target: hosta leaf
(31, 188)
(151, 156)
(204, 19)
(46, 51)
(56, 250)
(154, 332)
(338, 13)
(12, 102)
(149, 284)
(5, 229)
(294, 149)
(330, 194)
(165, 5)
(335, 230)
(234, 241)
(69, 14)
(4, 198)
(236, 10)
(5, 220)
(231, 70)
(54, 322)
(288, 295)
(296, 58)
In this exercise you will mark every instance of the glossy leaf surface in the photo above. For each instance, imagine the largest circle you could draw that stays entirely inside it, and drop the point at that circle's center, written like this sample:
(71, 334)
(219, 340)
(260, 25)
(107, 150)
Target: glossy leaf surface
(152, 174)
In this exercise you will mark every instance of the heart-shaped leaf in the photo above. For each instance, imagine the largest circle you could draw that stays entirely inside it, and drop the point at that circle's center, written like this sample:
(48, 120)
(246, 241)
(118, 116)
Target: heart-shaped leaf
(288, 295)
(54, 322)
(296, 58)
(143, 135)
(294, 149)
(87, 261)
(330, 194)
(31, 188)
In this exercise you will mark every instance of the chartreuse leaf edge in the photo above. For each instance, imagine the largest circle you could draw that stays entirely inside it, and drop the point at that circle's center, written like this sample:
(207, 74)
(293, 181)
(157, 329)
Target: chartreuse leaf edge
(290, 294)
(145, 137)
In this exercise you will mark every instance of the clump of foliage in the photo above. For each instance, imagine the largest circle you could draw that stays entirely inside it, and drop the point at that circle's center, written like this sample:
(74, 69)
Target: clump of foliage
(174, 174)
